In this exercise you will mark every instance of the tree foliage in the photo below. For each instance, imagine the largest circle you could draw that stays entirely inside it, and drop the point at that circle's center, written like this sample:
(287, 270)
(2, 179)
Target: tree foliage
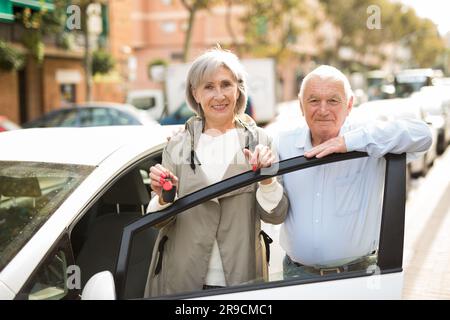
(10, 58)
(102, 62)
(270, 27)
(193, 6)
(39, 23)
(400, 26)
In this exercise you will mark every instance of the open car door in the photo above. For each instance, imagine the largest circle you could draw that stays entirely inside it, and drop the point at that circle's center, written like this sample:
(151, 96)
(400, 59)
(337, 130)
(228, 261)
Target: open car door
(384, 281)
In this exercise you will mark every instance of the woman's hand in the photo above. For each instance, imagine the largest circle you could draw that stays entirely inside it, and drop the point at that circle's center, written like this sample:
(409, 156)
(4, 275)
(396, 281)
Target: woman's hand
(262, 157)
(157, 175)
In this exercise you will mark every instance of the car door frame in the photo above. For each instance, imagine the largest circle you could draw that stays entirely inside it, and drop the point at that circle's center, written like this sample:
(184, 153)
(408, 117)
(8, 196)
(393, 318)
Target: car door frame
(390, 249)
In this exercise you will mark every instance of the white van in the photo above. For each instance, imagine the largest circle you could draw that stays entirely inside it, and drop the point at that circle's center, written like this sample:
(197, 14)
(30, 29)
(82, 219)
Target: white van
(151, 100)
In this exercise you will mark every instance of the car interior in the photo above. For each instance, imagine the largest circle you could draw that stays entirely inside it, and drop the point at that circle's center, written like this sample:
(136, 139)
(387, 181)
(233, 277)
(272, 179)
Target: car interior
(96, 236)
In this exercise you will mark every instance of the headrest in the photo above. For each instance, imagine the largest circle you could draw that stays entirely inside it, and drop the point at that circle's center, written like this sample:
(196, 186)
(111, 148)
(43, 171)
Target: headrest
(19, 187)
(130, 189)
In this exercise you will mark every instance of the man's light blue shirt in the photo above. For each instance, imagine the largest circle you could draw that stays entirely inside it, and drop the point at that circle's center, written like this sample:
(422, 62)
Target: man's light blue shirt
(335, 209)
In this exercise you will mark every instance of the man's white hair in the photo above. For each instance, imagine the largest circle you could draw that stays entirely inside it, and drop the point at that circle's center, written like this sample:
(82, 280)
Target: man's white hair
(326, 72)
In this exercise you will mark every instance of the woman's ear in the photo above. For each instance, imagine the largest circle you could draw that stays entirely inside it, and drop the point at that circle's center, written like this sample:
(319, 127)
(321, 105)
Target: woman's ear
(194, 94)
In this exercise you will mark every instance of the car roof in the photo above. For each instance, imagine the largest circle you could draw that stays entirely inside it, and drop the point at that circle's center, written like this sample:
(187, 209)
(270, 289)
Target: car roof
(99, 104)
(84, 146)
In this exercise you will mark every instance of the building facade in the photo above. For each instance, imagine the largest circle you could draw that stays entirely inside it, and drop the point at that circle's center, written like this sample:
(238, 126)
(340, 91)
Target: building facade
(38, 87)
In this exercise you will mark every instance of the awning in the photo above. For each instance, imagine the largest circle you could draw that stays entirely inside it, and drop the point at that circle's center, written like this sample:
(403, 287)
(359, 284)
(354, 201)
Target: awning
(34, 4)
(6, 7)
(6, 12)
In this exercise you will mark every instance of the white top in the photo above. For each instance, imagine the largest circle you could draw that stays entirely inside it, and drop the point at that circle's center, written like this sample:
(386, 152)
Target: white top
(215, 155)
(335, 209)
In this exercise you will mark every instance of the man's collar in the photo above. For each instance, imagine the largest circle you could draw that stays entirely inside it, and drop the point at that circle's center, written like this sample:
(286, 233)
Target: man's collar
(304, 139)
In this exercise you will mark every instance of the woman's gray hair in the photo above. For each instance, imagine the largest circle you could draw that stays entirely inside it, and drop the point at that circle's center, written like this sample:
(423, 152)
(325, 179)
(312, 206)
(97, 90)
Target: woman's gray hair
(205, 65)
(326, 72)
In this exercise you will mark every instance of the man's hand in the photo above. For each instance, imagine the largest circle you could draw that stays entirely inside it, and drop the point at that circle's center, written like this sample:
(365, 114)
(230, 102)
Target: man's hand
(334, 145)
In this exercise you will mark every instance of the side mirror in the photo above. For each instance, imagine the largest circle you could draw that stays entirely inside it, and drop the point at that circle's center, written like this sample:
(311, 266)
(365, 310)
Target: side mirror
(100, 287)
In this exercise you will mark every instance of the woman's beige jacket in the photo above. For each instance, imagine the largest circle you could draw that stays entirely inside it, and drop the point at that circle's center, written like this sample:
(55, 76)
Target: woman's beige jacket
(184, 244)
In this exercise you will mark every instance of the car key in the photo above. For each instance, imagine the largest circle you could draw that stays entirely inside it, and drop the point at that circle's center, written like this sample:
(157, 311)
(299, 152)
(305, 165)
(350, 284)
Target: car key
(168, 190)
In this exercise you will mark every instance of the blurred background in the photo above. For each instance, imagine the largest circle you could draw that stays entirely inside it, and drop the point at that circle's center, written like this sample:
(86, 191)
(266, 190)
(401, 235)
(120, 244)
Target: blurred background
(54, 53)
(121, 62)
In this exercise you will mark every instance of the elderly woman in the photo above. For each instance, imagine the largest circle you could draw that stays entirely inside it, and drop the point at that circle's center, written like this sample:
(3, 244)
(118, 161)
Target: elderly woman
(217, 243)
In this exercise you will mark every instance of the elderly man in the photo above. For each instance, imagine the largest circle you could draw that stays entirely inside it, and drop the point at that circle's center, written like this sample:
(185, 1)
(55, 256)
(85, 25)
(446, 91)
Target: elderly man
(334, 216)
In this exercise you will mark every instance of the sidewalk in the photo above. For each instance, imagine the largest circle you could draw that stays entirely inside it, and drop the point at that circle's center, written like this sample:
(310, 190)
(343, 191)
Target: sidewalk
(426, 258)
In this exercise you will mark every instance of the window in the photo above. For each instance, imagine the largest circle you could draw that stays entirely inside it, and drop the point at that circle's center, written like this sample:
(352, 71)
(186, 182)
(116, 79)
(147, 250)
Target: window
(389, 258)
(30, 193)
(101, 117)
(144, 103)
(54, 119)
(95, 237)
(70, 119)
(50, 281)
(121, 118)
(169, 27)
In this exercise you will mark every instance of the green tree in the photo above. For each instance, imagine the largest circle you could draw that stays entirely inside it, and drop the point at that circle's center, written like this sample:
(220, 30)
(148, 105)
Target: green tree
(10, 58)
(270, 27)
(427, 46)
(84, 4)
(350, 17)
(400, 26)
(102, 62)
(39, 23)
(193, 6)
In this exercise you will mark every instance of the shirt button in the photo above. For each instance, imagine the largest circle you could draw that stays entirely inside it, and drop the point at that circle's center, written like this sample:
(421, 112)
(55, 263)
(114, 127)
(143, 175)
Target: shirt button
(316, 221)
(318, 194)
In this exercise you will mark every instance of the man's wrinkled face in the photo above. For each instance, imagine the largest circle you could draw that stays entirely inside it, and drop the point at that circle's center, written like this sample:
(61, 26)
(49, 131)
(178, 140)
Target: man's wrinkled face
(325, 108)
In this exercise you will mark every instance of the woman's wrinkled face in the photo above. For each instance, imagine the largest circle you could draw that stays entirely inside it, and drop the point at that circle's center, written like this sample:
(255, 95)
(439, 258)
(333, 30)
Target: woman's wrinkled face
(217, 96)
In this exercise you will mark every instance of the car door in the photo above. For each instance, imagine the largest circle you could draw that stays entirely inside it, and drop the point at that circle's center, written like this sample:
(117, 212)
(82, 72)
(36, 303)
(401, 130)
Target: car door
(383, 281)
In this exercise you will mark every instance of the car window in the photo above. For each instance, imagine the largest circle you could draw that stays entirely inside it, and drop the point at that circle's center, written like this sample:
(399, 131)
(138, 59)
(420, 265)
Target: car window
(121, 118)
(92, 117)
(271, 245)
(70, 119)
(95, 236)
(144, 103)
(30, 193)
(85, 117)
(56, 278)
(269, 248)
(54, 119)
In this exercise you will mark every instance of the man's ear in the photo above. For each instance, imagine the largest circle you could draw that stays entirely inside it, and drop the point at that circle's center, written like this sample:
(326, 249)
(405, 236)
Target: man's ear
(349, 105)
(301, 107)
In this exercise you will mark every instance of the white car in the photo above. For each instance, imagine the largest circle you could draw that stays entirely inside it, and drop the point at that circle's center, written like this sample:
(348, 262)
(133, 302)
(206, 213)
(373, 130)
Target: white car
(72, 220)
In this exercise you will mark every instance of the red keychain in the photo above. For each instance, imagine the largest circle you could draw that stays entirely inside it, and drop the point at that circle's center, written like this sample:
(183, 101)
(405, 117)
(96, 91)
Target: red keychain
(169, 190)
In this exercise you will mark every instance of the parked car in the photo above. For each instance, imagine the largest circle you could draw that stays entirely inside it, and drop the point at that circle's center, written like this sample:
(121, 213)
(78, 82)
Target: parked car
(380, 85)
(180, 116)
(151, 101)
(435, 104)
(72, 220)
(6, 124)
(412, 80)
(391, 109)
(92, 114)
